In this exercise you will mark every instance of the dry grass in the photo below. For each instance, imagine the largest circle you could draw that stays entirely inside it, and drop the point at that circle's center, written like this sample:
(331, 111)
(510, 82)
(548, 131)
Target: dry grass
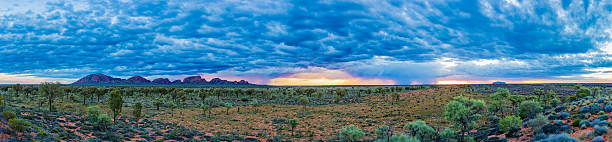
(323, 122)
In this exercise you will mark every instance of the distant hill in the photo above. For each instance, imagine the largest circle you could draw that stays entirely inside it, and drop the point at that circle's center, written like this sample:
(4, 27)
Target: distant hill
(99, 78)
(499, 82)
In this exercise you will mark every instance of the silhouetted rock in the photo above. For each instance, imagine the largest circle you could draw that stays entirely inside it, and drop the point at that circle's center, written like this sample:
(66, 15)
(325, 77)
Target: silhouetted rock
(194, 80)
(161, 81)
(137, 80)
(98, 78)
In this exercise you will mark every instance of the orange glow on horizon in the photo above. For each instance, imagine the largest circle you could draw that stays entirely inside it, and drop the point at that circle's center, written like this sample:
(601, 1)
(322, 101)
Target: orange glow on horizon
(326, 77)
(450, 82)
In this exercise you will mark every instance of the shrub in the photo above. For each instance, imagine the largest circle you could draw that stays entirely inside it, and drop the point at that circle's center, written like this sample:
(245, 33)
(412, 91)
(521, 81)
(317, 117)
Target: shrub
(608, 108)
(600, 130)
(584, 123)
(564, 115)
(18, 125)
(447, 135)
(585, 109)
(529, 109)
(598, 139)
(351, 133)
(552, 116)
(537, 123)
(104, 121)
(595, 108)
(9, 114)
(420, 130)
(602, 117)
(401, 137)
(539, 137)
(583, 92)
(383, 132)
(576, 122)
(92, 113)
(560, 138)
(510, 122)
(136, 112)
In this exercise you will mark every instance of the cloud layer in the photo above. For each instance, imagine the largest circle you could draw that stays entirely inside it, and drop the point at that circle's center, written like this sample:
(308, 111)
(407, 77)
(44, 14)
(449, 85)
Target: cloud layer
(407, 42)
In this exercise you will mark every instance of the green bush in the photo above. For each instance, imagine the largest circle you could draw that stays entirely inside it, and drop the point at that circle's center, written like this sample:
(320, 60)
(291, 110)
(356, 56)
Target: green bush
(104, 121)
(9, 114)
(18, 125)
(447, 135)
(383, 132)
(583, 92)
(510, 122)
(92, 114)
(537, 123)
(420, 130)
(351, 133)
(401, 137)
(576, 122)
(529, 109)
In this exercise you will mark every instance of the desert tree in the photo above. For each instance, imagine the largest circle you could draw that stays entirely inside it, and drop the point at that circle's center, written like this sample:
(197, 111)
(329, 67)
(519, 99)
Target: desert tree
(205, 108)
(463, 113)
(50, 91)
(100, 93)
(292, 123)
(228, 106)
(157, 102)
(115, 103)
(303, 100)
(498, 100)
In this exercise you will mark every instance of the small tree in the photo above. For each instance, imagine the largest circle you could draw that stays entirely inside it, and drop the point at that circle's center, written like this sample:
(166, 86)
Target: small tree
(351, 133)
(498, 100)
(463, 113)
(205, 108)
(115, 103)
(292, 123)
(50, 91)
(227, 106)
(396, 98)
(100, 93)
(158, 102)
(137, 110)
(303, 101)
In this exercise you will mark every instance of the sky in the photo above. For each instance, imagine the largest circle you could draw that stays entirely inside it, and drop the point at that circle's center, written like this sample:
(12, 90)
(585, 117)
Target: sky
(304, 42)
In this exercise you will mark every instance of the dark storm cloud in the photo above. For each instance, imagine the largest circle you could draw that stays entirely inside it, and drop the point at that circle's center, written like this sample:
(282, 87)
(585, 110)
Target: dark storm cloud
(70, 39)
